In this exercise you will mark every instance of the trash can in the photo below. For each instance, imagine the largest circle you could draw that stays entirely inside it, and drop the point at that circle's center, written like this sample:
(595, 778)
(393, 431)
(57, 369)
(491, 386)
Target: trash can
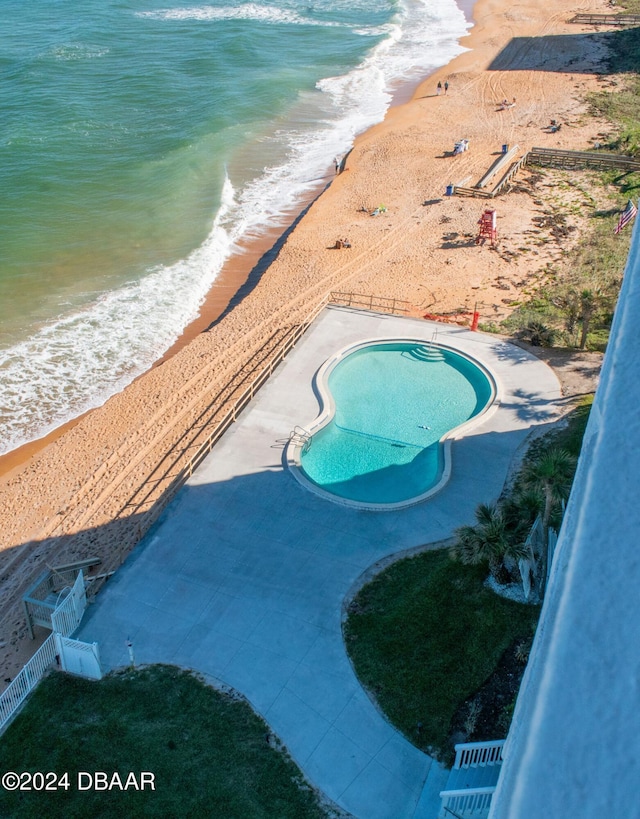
(449, 190)
(505, 149)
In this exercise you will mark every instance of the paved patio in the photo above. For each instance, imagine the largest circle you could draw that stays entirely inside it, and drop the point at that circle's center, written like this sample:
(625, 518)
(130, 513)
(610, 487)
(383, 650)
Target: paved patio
(245, 575)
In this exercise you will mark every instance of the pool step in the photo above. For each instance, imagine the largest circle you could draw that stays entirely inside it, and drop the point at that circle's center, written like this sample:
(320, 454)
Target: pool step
(428, 352)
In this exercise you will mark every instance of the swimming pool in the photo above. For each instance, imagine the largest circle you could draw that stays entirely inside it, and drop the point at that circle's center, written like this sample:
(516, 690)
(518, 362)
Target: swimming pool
(389, 410)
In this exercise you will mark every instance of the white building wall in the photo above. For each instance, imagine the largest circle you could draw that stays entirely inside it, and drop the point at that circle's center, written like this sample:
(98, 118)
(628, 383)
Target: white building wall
(573, 751)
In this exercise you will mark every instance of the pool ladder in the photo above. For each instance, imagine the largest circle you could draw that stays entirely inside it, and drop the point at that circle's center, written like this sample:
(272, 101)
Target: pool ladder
(300, 437)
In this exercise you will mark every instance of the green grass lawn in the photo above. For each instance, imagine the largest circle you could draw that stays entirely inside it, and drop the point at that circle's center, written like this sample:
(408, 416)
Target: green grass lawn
(207, 751)
(424, 635)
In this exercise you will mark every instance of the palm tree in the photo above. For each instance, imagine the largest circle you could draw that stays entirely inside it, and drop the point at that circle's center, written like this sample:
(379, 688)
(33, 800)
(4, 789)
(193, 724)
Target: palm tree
(521, 509)
(488, 541)
(539, 334)
(589, 303)
(551, 475)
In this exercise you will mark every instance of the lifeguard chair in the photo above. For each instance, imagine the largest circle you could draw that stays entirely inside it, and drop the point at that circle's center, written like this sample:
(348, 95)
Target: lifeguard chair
(488, 227)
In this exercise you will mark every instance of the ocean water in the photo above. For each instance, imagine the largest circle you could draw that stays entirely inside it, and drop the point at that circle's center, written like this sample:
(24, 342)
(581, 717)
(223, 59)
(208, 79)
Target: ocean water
(140, 140)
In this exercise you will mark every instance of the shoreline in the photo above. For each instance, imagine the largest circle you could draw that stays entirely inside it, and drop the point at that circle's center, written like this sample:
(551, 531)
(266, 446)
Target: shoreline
(234, 274)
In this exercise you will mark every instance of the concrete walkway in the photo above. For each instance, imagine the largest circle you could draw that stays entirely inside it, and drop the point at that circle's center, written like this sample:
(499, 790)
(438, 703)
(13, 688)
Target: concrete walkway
(245, 575)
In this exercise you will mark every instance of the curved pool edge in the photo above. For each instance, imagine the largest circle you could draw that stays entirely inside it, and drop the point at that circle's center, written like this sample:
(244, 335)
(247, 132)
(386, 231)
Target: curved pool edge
(296, 441)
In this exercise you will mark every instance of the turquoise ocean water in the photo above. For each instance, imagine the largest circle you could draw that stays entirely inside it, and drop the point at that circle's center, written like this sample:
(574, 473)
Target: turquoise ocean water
(141, 139)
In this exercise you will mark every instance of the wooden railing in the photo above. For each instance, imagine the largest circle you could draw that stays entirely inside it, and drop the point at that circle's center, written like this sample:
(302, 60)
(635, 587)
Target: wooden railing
(369, 302)
(476, 193)
(552, 158)
(572, 160)
(508, 176)
(496, 166)
(606, 19)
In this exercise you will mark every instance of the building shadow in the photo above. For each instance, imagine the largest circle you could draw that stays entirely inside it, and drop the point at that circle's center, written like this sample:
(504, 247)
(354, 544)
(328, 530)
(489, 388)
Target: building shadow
(572, 53)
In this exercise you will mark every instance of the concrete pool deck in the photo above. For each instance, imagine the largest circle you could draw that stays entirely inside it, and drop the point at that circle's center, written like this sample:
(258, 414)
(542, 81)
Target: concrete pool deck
(244, 576)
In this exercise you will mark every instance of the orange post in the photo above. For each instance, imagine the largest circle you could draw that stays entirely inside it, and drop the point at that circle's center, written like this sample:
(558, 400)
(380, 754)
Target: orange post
(476, 317)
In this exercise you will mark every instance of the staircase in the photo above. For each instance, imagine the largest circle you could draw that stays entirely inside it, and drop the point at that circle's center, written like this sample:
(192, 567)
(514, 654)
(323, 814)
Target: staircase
(472, 780)
(428, 351)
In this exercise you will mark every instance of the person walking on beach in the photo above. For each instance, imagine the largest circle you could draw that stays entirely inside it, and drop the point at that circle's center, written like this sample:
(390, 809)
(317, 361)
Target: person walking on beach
(439, 88)
(446, 87)
(338, 162)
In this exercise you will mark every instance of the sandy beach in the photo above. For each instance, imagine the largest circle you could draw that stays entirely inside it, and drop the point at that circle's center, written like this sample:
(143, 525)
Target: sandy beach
(94, 487)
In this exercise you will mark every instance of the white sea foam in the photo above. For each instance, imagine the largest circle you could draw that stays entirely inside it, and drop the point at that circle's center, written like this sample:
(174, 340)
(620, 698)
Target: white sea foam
(419, 40)
(246, 11)
(75, 363)
(77, 51)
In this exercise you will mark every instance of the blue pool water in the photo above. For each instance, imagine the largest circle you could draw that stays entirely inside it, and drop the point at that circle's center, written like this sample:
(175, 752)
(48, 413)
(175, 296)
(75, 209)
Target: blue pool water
(393, 404)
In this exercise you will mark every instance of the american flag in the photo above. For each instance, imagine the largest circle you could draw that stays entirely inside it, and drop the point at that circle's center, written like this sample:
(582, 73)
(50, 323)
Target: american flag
(626, 216)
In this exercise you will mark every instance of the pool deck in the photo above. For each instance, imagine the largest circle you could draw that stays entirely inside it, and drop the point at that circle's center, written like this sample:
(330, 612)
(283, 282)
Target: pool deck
(245, 575)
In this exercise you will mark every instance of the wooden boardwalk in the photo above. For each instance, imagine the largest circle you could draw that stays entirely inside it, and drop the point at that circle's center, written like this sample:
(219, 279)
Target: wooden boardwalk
(498, 165)
(578, 160)
(550, 158)
(606, 19)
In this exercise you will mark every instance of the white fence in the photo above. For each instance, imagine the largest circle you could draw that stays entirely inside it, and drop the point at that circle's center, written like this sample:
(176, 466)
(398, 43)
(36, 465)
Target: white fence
(79, 658)
(15, 694)
(67, 616)
(73, 656)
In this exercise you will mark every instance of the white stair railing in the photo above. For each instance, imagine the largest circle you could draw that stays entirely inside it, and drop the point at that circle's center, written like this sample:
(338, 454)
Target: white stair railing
(474, 754)
(474, 799)
(466, 804)
(67, 616)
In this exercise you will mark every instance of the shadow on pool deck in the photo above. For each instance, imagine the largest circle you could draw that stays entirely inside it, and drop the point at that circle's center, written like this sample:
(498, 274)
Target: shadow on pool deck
(244, 579)
(244, 575)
